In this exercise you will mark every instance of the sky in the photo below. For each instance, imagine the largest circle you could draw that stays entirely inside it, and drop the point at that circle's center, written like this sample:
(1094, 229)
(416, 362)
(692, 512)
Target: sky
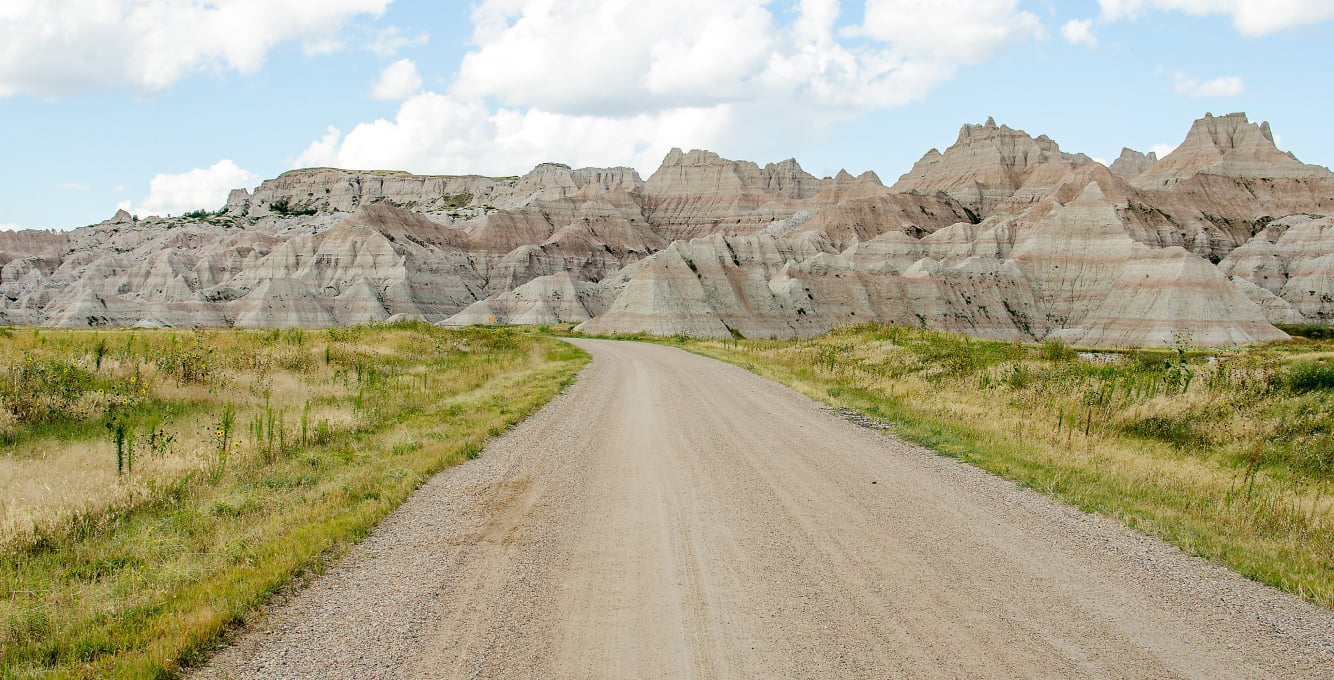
(162, 106)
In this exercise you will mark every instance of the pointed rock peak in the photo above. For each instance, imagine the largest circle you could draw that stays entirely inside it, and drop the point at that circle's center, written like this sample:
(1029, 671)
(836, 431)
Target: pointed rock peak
(843, 176)
(122, 216)
(1229, 145)
(789, 165)
(1223, 134)
(1091, 196)
(1131, 163)
(369, 212)
(693, 157)
(990, 131)
(870, 177)
(1000, 157)
(785, 176)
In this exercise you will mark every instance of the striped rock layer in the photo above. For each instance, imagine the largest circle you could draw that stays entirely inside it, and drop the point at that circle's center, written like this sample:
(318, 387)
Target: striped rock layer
(1002, 235)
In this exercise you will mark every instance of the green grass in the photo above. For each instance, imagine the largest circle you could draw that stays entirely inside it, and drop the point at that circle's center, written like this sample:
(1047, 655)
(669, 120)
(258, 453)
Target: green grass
(147, 584)
(1311, 331)
(1229, 455)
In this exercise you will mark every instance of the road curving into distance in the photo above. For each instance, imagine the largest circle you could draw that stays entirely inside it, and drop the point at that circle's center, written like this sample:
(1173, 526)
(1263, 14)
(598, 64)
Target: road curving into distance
(671, 516)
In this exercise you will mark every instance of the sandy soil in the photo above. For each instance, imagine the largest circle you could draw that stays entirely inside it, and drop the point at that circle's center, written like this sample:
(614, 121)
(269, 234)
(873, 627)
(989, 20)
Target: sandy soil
(673, 517)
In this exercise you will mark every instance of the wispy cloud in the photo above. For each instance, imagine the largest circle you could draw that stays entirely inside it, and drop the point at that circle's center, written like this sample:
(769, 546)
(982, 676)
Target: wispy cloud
(1252, 18)
(1226, 86)
(387, 42)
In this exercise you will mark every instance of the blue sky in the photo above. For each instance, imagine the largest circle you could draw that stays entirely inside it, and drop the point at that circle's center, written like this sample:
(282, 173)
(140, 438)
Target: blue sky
(162, 105)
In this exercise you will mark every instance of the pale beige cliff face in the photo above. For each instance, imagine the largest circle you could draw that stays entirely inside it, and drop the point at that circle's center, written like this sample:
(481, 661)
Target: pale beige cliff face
(1292, 259)
(1071, 271)
(1225, 180)
(1131, 163)
(1167, 296)
(1001, 236)
(699, 193)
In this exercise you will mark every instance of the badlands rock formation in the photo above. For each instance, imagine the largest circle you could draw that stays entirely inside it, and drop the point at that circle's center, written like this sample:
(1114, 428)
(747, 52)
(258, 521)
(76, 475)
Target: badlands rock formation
(1131, 163)
(1002, 235)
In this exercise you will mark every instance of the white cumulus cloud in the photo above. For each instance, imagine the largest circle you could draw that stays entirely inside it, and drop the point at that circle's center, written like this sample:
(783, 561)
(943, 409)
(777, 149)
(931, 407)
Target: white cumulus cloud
(9, 226)
(615, 56)
(440, 134)
(622, 81)
(608, 57)
(198, 189)
(54, 49)
(398, 80)
(1226, 86)
(1250, 17)
(963, 31)
(1079, 32)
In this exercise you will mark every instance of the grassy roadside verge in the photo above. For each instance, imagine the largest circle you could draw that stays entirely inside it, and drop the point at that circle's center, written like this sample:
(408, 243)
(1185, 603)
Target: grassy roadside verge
(204, 534)
(1229, 456)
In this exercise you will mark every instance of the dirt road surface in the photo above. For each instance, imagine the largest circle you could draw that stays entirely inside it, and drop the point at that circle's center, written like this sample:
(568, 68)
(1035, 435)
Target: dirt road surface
(670, 516)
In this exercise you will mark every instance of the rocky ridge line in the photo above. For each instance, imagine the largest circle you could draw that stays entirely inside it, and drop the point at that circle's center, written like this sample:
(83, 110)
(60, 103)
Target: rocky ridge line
(1002, 235)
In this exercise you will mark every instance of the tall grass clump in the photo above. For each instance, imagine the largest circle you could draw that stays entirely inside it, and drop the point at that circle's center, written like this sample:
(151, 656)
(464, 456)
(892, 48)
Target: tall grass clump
(1309, 376)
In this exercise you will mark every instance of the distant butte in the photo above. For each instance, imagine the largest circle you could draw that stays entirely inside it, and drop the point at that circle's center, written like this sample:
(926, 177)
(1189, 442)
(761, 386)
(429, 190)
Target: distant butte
(1002, 235)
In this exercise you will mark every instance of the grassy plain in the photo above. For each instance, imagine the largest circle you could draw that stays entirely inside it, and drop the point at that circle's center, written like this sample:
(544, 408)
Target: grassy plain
(1229, 455)
(159, 486)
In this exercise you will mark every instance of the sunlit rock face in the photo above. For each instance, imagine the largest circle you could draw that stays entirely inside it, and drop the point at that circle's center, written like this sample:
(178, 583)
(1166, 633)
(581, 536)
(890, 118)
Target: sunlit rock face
(1131, 163)
(1003, 235)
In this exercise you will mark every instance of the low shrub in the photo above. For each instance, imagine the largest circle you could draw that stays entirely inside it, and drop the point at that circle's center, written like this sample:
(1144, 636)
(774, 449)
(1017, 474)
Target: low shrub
(1308, 376)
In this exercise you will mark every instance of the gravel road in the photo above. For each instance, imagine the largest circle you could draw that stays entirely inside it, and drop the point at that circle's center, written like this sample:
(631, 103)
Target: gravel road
(670, 516)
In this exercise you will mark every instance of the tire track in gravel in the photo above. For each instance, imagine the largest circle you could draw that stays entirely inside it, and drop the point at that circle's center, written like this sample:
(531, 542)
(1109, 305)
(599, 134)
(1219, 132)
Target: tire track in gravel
(671, 516)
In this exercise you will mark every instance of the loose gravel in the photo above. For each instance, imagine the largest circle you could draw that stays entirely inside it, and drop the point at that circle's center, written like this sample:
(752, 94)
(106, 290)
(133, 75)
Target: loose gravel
(672, 517)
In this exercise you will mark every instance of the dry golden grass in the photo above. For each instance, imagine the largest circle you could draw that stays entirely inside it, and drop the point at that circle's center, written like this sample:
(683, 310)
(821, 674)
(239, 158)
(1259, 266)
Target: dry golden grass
(1229, 455)
(273, 449)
